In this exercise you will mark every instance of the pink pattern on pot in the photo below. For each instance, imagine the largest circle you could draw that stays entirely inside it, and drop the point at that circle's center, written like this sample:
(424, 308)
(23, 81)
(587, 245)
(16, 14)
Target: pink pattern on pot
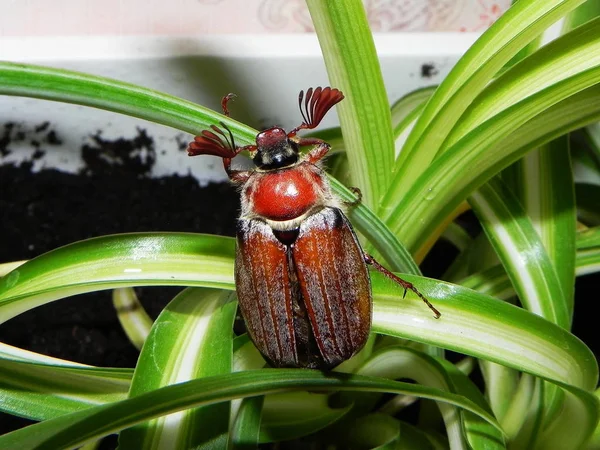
(193, 17)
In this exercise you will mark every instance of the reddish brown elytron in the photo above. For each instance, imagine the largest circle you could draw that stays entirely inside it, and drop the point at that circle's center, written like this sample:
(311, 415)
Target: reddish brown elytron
(301, 276)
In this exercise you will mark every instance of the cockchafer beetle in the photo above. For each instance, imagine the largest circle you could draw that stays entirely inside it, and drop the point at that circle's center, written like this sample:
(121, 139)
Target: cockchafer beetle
(301, 275)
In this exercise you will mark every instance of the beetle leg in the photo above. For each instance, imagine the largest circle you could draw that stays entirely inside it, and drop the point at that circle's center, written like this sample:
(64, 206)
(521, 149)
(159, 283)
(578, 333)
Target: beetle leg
(358, 197)
(238, 176)
(405, 284)
(318, 152)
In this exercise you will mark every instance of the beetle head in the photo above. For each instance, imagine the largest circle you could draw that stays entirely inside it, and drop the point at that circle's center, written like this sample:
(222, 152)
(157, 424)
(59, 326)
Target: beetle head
(274, 149)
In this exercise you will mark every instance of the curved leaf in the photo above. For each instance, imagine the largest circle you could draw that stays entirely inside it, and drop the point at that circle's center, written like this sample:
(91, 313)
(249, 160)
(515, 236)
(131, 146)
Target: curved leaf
(136, 259)
(74, 87)
(134, 319)
(246, 426)
(40, 391)
(408, 108)
(484, 327)
(567, 56)
(491, 147)
(463, 429)
(513, 30)
(352, 65)
(521, 251)
(72, 430)
(205, 317)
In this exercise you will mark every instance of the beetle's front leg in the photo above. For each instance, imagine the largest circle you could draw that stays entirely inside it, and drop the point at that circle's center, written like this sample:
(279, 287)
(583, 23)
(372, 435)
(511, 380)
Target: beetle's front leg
(318, 152)
(236, 176)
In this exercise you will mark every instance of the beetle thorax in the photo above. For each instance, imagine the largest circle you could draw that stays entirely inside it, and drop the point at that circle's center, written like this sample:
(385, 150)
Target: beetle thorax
(283, 198)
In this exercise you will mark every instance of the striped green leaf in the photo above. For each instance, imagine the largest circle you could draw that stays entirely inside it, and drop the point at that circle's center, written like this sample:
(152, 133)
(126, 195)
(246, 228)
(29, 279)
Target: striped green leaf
(549, 200)
(494, 281)
(136, 259)
(463, 429)
(284, 416)
(41, 391)
(352, 65)
(491, 337)
(457, 236)
(73, 430)
(11, 353)
(525, 418)
(205, 318)
(88, 90)
(544, 183)
(405, 113)
(176, 263)
(569, 55)
(408, 108)
(490, 148)
(484, 327)
(246, 426)
(581, 14)
(571, 429)
(523, 22)
(8, 266)
(521, 251)
(501, 383)
(457, 313)
(133, 317)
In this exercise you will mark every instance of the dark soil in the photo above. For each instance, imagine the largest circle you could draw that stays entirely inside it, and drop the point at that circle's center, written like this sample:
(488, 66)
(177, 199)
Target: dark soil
(114, 194)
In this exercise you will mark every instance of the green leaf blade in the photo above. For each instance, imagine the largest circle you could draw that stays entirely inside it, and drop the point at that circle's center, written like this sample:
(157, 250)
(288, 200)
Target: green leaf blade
(109, 262)
(112, 95)
(513, 30)
(484, 327)
(73, 430)
(565, 57)
(353, 67)
(205, 317)
(43, 391)
(462, 427)
(491, 147)
(521, 250)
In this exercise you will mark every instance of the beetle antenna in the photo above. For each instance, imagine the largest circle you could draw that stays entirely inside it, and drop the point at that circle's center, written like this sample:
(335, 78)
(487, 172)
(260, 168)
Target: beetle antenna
(231, 140)
(315, 105)
(214, 142)
(300, 98)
